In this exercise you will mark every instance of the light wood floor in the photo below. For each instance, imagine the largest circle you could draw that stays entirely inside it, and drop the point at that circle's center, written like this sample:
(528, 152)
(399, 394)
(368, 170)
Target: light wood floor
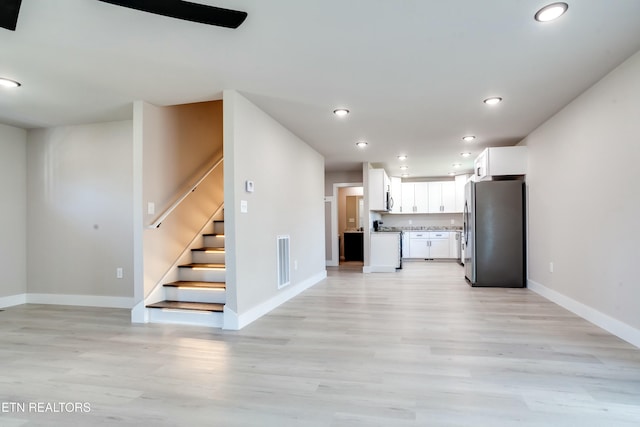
(414, 348)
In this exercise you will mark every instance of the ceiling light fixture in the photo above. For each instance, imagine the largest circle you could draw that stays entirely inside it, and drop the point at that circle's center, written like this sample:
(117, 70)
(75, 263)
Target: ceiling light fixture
(404, 167)
(551, 11)
(8, 83)
(451, 173)
(402, 157)
(468, 138)
(405, 175)
(493, 100)
(341, 112)
(467, 154)
(362, 144)
(456, 165)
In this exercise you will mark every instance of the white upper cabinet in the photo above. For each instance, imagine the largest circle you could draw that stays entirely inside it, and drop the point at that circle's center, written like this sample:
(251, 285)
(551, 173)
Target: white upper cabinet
(414, 197)
(428, 197)
(442, 196)
(396, 195)
(421, 197)
(379, 185)
(407, 196)
(501, 161)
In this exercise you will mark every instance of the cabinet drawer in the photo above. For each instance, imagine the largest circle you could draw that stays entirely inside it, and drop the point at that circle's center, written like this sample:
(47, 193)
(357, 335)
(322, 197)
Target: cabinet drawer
(418, 234)
(438, 235)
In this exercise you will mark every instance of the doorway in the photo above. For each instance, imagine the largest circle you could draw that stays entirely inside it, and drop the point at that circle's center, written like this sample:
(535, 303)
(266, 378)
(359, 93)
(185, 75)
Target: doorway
(347, 217)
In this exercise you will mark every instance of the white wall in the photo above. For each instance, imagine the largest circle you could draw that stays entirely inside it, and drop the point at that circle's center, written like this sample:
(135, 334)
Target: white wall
(331, 178)
(13, 214)
(584, 205)
(80, 213)
(288, 200)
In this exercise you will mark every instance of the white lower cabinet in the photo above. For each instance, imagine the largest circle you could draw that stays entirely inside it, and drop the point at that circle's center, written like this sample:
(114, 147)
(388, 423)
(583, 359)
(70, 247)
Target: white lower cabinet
(385, 252)
(428, 244)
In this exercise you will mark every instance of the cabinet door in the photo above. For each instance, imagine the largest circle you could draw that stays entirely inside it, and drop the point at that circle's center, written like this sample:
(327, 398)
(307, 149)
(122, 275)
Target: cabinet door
(421, 197)
(396, 194)
(377, 197)
(481, 165)
(448, 196)
(435, 197)
(439, 248)
(419, 248)
(406, 205)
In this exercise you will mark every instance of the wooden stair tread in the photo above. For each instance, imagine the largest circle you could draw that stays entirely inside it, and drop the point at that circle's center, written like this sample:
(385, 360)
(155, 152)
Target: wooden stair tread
(202, 265)
(185, 305)
(210, 249)
(203, 285)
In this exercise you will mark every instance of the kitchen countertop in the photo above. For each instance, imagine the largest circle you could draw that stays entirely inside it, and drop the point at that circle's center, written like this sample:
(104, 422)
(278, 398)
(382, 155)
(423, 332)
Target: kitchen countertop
(406, 229)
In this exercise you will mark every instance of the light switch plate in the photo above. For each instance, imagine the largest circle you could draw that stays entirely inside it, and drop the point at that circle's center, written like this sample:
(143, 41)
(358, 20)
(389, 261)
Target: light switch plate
(244, 208)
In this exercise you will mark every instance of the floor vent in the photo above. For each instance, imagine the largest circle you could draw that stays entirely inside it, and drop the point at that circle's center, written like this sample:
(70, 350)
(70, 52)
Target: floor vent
(283, 261)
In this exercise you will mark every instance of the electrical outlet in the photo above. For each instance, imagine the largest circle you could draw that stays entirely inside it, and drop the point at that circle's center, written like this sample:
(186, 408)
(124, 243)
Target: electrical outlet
(151, 208)
(119, 273)
(453, 221)
(295, 264)
(551, 267)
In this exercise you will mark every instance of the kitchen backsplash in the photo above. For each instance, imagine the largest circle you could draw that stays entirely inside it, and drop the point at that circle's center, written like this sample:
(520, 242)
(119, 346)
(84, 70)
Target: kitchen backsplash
(421, 221)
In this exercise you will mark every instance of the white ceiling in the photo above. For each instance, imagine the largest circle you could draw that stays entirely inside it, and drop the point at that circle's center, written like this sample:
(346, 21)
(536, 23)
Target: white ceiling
(412, 72)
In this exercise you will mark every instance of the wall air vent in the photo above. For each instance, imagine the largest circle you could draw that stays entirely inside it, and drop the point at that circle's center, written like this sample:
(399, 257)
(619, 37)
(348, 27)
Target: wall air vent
(283, 261)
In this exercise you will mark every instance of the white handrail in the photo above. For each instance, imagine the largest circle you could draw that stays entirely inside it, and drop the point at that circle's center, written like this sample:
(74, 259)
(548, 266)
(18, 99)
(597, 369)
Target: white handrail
(175, 204)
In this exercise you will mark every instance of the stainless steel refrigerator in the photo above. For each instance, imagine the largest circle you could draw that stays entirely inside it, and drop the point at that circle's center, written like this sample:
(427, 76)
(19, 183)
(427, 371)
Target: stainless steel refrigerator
(494, 233)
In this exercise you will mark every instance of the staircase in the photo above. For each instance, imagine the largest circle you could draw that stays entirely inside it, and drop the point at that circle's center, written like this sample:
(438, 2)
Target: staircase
(198, 296)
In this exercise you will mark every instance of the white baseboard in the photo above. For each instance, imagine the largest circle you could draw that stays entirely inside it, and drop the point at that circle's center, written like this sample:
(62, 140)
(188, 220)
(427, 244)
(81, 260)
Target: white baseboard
(12, 300)
(81, 300)
(608, 323)
(235, 321)
(140, 313)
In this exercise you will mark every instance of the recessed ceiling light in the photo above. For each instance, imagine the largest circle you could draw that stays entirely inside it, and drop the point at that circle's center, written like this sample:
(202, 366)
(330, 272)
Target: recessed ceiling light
(341, 112)
(404, 167)
(468, 138)
(456, 165)
(8, 82)
(405, 175)
(551, 12)
(493, 100)
(402, 157)
(362, 144)
(451, 173)
(465, 154)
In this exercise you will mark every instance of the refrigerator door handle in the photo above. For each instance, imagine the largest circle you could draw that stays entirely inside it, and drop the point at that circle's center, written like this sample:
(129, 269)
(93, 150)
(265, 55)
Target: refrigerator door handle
(465, 220)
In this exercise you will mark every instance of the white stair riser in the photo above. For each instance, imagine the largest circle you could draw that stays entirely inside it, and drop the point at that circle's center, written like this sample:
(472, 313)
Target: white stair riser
(218, 227)
(195, 295)
(191, 275)
(186, 317)
(207, 258)
(214, 241)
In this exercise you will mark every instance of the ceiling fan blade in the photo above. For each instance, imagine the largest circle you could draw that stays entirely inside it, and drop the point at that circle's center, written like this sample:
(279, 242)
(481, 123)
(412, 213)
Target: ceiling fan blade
(187, 11)
(9, 13)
